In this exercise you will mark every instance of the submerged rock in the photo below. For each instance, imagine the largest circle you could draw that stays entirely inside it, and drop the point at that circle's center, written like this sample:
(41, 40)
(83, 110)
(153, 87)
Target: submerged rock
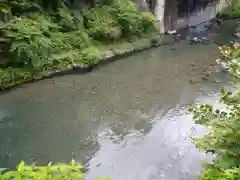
(171, 32)
(237, 34)
(176, 37)
(193, 64)
(205, 78)
(224, 67)
(194, 80)
(207, 73)
(216, 81)
(108, 54)
(195, 40)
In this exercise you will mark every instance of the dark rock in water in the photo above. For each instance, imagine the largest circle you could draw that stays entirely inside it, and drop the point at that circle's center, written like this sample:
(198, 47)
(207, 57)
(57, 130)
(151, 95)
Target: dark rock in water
(219, 22)
(213, 64)
(206, 74)
(224, 67)
(193, 63)
(216, 81)
(237, 34)
(98, 165)
(216, 23)
(194, 80)
(204, 40)
(85, 169)
(224, 70)
(205, 78)
(194, 40)
(176, 37)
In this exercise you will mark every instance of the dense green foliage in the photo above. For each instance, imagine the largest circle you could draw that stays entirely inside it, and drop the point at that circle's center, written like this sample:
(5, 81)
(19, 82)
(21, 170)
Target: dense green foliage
(233, 10)
(71, 171)
(223, 137)
(42, 36)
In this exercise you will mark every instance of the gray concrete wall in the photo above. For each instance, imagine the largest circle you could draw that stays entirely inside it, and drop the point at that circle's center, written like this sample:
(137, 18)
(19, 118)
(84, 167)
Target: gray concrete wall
(206, 14)
(159, 12)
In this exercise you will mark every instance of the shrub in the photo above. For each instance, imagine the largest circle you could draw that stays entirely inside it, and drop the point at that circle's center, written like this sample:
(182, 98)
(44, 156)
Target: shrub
(132, 23)
(28, 41)
(231, 55)
(233, 10)
(230, 51)
(223, 138)
(39, 44)
(148, 22)
(66, 21)
(4, 8)
(39, 40)
(71, 48)
(20, 7)
(101, 24)
(105, 2)
(71, 171)
(9, 76)
(128, 18)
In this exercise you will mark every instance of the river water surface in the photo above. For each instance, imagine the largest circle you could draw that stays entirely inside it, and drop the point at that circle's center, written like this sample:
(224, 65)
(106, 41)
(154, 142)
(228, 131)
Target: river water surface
(127, 120)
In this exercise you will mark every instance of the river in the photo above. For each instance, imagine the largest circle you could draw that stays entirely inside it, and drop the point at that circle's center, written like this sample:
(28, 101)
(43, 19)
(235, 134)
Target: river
(126, 120)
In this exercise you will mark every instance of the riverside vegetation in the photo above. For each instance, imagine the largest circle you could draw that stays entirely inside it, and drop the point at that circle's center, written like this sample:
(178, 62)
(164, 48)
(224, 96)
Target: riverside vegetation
(232, 11)
(49, 172)
(43, 36)
(223, 137)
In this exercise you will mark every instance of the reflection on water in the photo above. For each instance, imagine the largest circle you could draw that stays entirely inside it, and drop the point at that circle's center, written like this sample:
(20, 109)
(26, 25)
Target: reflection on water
(164, 152)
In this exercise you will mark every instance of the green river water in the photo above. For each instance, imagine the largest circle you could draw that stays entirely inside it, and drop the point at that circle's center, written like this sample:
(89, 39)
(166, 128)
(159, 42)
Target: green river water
(126, 120)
